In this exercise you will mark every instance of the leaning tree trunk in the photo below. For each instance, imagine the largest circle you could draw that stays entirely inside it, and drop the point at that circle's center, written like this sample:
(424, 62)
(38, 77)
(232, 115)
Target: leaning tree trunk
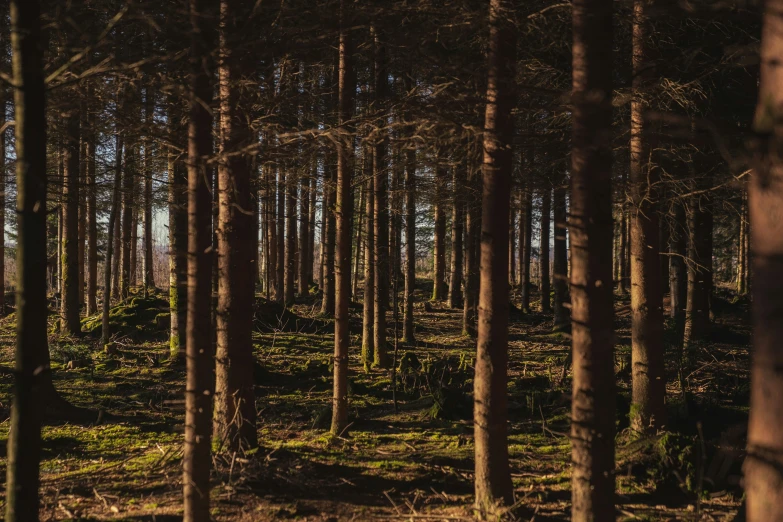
(32, 351)
(455, 281)
(343, 210)
(490, 414)
(648, 411)
(546, 213)
(593, 388)
(200, 385)
(70, 324)
(764, 461)
(235, 408)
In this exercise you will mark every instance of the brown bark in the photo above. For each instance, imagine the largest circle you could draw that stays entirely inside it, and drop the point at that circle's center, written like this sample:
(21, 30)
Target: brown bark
(697, 309)
(546, 215)
(359, 242)
(281, 242)
(472, 236)
(526, 221)
(457, 219)
(311, 238)
(381, 211)
(490, 416)
(2, 189)
(112, 252)
(764, 461)
(148, 274)
(327, 282)
(126, 242)
(368, 315)
(200, 385)
(343, 211)
(290, 240)
(178, 281)
(32, 351)
(69, 311)
(270, 221)
(235, 408)
(624, 255)
(648, 411)
(82, 233)
(593, 388)
(560, 261)
(92, 223)
(303, 285)
(678, 272)
(408, 329)
(439, 245)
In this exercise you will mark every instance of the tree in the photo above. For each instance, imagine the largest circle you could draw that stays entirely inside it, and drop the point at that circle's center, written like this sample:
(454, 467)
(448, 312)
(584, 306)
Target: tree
(200, 385)
(408, 333)
(439, 248)
(235, 408)
(70, 212)
(178, 282)
(92, 211)
(368, 303)
(472, 247)
(560, 261)
(344, 207)
(765, 202)
(290, 240)
(649, 387)
(490, 403)
(526, 223)
(546, 213)
(455, 281)
(31, 369)
(149, 276)
(590, 227)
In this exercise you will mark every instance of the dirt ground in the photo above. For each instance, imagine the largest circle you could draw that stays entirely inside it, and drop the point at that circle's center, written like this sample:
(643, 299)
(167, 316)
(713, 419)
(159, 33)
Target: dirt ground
(412, 462)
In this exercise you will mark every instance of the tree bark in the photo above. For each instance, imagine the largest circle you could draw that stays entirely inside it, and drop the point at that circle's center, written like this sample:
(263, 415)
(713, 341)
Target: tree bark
(70, 324)
(439, 248)
(697, 308)
(546, 214)
(764, 461)
(178, 282)
(200, 386)
(128, 186)
(304, 237)
(235, 408)
(281, 242)
(678, 272)
(593, 388)
(359, 242)
(648, 411)
(490, 416)
(408, 329)
(472, 236)
(381, 223)
(343, 211)
(327, 283)
(560, 261)
(290, 240)
(2, 188)
(149, 275)
(368, 315)
(458, 208)
(270, 221)
(32, 351)
(92, 223)
(526, 221)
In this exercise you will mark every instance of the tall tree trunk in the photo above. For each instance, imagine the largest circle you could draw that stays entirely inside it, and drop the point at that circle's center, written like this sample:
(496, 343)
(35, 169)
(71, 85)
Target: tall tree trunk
(178, 282)
(408, 330)
(381, 210)
(128, 189)
(395, 221)
(527, 217)
(2, 188)
(697, 316)
(663, 242)
(472, 236)
(290, 239)
(764, 460)
(200, 386)
(235, 408)
(368, 315)
(593, 388)
(281, 239)
(623, 239)
(741, 259)
(134, 243)
(327, 282)
(115, 267)
(311, 229)
(112, 253)
(271, 233)
(490, 402)
(546, 214)
(560, 261)
(343, 210)
(149, 275)
(648, 411)
(359, 243)
(92, 223)
(512, 243)
(439, 247)
(678, 272)
(82, 219)
(455, 281)
(32, 351)
(304, 237)
(70, 236)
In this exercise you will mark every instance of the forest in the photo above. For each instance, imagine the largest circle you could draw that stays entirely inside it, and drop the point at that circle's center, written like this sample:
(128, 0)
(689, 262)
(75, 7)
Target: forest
(416, 260)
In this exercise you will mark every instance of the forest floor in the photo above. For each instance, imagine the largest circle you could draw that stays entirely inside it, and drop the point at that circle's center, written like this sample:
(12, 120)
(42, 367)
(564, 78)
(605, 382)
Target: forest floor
(415, 463)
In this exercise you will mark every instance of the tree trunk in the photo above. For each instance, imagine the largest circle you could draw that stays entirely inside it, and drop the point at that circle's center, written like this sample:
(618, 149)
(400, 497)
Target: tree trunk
(546, 213)
(458, 208)
(593, 388)
(408, 330)
(697, 316)
(149, 275)
(678, 272)
(472, 233)
(2, 189)
(235, 408)
(128, 186)
(368, 315)
(560, 261)
(764, 459)
(115, 268)
(490, 416)
(304, 237)
(200, 386)
(271, 233)
(512, 243)
(648, 411)
(281, 239)
(327, 283)
(663, 254)
(380, 223)
(359, 243)
(623, 242)
(290, 239)
(82, 231)
(32, 351)
(439, 248)
(178, 282)
(70, 324)
(311, 229)
(112, 253)
(527, 217)
(343, 210)
(92, 223)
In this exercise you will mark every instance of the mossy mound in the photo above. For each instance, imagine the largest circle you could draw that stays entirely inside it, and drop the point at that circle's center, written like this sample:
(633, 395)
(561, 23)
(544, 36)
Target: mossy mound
(139, 318)
(669, 461)
(271, 316)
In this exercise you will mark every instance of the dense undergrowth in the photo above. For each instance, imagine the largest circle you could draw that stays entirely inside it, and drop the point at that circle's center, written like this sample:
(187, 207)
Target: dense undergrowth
(412, 460)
